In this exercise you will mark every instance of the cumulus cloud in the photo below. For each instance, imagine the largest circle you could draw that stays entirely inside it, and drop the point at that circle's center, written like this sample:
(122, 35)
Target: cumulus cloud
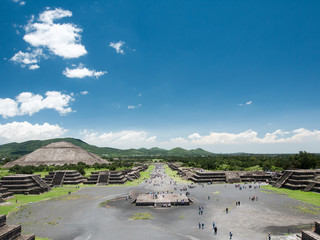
(250, 136)
(117, 46)
(63, 40)
(134, 106)
(82, 72)
(122, 139)
(24, 131)
(44, 34)
(29, 59)
(27, 103)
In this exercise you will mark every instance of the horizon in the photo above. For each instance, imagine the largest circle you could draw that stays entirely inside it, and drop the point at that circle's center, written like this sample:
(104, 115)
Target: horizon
(168, 149)
(226, 77)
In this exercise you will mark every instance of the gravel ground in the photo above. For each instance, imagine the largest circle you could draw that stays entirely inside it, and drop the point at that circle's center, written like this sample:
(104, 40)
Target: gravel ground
(81, 216)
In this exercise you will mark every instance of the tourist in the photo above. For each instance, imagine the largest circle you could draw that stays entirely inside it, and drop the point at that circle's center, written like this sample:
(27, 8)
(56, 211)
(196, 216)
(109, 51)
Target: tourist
(199, 225)
(215, 230)
(227, 210)
(230, 234)
(202, 225)
(213, 225)
(269, 236)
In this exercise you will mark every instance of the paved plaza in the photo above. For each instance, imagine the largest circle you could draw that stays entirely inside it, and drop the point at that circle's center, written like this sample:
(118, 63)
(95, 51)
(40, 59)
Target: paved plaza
(86, 214)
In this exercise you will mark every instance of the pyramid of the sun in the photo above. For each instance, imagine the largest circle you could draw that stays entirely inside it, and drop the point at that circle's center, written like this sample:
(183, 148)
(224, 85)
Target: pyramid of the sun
(58, 153)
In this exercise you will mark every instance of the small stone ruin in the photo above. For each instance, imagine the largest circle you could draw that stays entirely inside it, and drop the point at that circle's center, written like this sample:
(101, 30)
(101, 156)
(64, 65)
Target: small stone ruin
(302, 179)
(12, 232)
(312, 235)
(24, 184)
(64, 177)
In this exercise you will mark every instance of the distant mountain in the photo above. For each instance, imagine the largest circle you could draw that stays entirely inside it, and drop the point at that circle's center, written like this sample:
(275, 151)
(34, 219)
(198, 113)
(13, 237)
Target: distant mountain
(16, 150)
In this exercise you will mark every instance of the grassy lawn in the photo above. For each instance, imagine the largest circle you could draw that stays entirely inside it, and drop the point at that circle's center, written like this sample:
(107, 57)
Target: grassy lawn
(20, 199)
(142, 216)
(308, 197)
(143, 176)
(174, 175)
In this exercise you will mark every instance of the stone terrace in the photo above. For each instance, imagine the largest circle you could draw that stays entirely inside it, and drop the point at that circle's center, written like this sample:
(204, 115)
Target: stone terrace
(24, 184)
(306, 180)
(64, 177)
(12, 232)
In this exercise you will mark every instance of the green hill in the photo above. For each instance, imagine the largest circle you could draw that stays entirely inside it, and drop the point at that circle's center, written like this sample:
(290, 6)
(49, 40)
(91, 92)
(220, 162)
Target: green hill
(16, 150)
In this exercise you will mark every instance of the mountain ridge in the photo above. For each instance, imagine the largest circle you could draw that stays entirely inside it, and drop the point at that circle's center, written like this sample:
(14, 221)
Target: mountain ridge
(15, 150)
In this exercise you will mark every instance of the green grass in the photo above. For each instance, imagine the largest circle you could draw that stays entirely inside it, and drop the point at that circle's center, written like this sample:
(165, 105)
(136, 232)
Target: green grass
(141, 216)
(20, 199)
(143, 176)
(174, 175)
(4, 172)
(308, 197)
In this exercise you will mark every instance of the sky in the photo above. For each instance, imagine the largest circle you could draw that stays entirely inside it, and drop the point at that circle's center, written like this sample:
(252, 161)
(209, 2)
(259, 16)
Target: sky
(225, 76)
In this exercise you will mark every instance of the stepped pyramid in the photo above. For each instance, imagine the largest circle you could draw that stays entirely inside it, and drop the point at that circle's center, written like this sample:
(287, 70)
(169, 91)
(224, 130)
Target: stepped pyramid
(58, 153)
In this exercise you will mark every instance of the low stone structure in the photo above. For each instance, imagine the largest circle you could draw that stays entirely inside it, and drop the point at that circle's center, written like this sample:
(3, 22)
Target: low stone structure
(4, 194)
(312, 235)
(202, 176)
(12, 232)
(302, 179)
(24, 184)
(198, 175)
(64, 177)
(107, 177)
(160, 199)
(115, 177)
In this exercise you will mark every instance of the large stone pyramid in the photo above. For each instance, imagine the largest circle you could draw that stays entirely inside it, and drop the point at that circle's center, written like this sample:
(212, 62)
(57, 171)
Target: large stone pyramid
(58, 153)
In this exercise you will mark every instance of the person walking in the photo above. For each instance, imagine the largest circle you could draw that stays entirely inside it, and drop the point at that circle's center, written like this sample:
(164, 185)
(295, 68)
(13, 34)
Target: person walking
(230, 234)
(202, 225)
(199, 225)
(215, 230)
(269, 236)
(213, 225)
(227, 210)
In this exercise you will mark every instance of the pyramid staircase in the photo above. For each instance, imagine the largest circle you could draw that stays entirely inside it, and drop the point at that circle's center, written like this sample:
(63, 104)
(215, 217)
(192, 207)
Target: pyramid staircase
(282, 179)
(12, 232)
(103, 178)
(58, 178)
(312, 235)
(43, 184)
(310, 186)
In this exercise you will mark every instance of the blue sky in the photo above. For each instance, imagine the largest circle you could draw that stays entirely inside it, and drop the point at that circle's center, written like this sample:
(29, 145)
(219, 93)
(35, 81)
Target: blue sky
(226, 76)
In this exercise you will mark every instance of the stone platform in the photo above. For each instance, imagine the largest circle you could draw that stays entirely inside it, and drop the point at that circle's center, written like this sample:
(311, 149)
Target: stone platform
(161, 199)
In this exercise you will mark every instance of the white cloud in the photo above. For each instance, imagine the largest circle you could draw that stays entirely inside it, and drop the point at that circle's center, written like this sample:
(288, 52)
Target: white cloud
(140, 94)
(8, 107)
(34, 66)
(247, 103)
(63, 40)
(28, 58)
(81, 72)
(84, 92)
(21, 3)
(117, 46)
(24, 131)
(27, 103)
(134, 106)
(250, 136)
(122, 139)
